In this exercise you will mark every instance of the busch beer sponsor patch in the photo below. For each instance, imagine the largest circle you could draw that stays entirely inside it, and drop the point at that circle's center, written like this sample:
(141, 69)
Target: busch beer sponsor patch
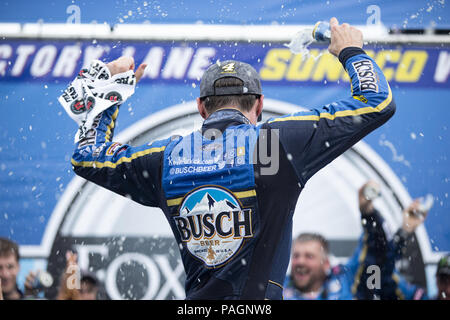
(367, 77)
(213, 225)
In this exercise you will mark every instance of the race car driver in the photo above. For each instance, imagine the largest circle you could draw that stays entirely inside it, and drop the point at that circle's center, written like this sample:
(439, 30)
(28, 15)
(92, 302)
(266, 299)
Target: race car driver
(229, 190)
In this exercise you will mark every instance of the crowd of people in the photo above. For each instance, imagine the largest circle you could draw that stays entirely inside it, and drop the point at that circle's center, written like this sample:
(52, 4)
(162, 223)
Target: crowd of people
(312, 277)
(74, 283)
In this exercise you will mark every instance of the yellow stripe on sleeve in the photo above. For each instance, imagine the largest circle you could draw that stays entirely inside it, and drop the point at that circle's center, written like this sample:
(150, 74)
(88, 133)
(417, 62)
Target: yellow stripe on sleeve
(111, 125)
(109, 164)
(338, 114)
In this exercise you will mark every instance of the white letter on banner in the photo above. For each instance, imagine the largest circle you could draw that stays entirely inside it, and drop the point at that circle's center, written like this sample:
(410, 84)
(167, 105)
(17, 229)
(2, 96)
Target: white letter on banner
(67, 61)
(442, 67)
(5, 53)
(201, 62)
(172, 282)
(128, 51)
(153, 60)
(93, 53)
(177, 63)
(23, 52)
(43, 61)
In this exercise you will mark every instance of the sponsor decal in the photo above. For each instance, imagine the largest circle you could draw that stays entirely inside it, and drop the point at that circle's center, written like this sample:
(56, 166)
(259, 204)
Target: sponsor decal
(88, 136)
(70, 94)
(367, 76)
(79, 106)
(213, 225)
(98, 150)
(113, 148)
(114, 96)
(360, 98)
(194, 169)
(126, 80)
(97, 70)
(81, 74)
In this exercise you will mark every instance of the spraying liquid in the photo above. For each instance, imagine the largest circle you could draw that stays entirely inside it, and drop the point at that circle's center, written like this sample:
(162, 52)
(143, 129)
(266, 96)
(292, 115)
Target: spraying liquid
(302, 39)
(300, 42)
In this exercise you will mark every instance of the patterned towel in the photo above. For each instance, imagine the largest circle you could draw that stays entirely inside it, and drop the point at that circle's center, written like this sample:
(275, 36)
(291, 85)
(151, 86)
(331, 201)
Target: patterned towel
(93, 91)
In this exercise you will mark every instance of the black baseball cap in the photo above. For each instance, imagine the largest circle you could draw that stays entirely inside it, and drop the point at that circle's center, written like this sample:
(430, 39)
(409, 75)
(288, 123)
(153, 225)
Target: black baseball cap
(443, 267)
(230, 69)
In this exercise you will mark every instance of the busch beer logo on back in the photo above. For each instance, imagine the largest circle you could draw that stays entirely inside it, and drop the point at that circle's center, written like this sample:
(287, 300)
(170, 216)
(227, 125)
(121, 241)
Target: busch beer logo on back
(213, 225)
(366, 75)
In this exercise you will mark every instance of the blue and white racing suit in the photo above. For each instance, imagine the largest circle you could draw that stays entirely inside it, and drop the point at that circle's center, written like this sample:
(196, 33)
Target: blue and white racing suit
(229, 198)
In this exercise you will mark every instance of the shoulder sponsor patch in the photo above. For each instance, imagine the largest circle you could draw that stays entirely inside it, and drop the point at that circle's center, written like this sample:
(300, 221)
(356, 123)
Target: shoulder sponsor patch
(361, 98)
(367, 77)
(113, 148)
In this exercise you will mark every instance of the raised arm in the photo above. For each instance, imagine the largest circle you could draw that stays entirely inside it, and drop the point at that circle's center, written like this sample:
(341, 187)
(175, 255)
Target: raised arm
(370, 257)
(133, 172)
(316, 137)
(379, 251)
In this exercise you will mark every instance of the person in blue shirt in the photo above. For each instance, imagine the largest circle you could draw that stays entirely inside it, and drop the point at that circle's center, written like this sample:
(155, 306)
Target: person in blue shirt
(313, 278)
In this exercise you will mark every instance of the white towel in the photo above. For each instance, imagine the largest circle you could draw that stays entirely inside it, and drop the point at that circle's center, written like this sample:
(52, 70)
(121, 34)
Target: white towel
(93, 91)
